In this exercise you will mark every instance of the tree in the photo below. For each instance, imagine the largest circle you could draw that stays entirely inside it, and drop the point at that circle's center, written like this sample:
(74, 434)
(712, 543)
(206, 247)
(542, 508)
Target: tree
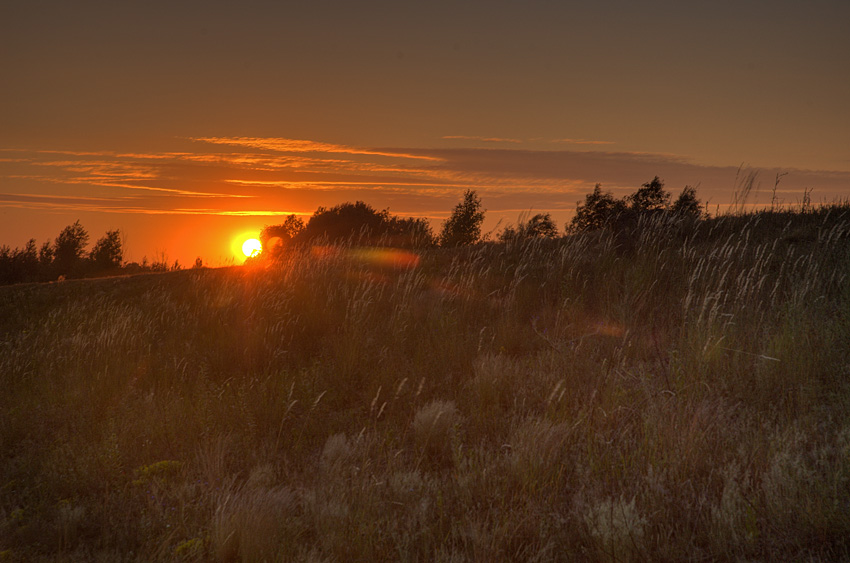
(29, 260)
(601, 209)
(107, 252)
(356, 222)
(70, 247)
(598, 208)
(464, 225)
(540, 226)
(343, 222)
(410, 232)
(46, 254)
(687, 204)
(8, 273)
(275, 237)
(19, 265)
(650, 197)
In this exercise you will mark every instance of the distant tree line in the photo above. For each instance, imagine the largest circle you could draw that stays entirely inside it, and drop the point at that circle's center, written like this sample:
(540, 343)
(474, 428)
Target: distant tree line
(601, 209)
(356, 223)
(67, 257)
(361, 224)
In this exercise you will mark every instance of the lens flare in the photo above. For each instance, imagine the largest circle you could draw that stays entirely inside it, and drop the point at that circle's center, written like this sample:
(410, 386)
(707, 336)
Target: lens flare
(251, 247)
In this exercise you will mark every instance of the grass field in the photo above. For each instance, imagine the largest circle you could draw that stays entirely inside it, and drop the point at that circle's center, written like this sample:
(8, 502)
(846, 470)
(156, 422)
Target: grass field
(676, 393)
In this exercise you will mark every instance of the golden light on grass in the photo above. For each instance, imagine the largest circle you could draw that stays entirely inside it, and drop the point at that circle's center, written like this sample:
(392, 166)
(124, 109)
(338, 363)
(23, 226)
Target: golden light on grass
(252, 247)
(564, 399)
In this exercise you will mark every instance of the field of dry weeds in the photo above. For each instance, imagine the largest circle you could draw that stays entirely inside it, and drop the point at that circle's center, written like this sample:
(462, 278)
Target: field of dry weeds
(679, 393)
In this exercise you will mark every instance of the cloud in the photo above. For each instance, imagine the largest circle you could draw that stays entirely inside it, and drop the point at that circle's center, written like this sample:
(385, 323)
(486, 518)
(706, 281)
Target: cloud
(53, 199)
(265, 174)
(164, 190)
(484, 139)
(111, 205)
(581, 142)
(279, 144)
(520, 141)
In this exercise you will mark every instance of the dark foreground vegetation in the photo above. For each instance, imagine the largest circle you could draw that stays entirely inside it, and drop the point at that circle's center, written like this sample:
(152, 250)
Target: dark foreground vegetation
(666, 390)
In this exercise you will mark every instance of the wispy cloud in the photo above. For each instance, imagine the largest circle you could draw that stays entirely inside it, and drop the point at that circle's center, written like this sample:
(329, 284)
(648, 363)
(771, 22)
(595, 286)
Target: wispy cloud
(563, 141)
(581, 142)
(300, 145)
(111, 205)
(483, 139)
(71, 200)
(164, 190)
(256, 176)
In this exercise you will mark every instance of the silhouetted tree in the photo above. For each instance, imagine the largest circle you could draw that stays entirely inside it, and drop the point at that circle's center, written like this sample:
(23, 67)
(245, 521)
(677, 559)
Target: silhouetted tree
(46, 254)
(687, 204)
(344, 222)
(598, 208)
(7, 266)
(107, 253)
(276, 237)
(623, 216)
(650, 197)
(539, 226)
(29, 260)
(19, 265)
(410, 232)
(70, 248)
(361, 223)
(464, 225)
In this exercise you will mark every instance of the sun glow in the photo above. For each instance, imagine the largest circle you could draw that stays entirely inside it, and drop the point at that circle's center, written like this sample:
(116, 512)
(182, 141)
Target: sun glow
(252, 247)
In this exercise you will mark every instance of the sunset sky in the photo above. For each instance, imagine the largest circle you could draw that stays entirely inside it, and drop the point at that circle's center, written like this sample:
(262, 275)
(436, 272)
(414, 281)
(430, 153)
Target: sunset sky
(189, 124)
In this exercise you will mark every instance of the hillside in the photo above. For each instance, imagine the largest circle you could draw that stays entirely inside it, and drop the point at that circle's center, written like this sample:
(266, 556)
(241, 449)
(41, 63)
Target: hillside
(674, 391)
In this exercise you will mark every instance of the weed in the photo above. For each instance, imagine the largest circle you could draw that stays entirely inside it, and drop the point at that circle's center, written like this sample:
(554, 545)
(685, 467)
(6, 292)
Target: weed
(669, 391)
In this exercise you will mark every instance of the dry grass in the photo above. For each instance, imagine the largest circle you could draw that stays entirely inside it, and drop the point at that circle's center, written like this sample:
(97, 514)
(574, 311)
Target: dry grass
(677, 392)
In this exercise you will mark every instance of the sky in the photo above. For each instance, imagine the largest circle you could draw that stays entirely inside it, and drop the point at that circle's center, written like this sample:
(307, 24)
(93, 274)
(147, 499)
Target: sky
(191, 125)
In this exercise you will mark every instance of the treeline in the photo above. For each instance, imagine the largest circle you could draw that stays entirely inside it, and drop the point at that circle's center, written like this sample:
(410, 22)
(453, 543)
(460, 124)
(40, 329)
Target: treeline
(601, 209)
(360, 223)
(67, 257)
(63, 257)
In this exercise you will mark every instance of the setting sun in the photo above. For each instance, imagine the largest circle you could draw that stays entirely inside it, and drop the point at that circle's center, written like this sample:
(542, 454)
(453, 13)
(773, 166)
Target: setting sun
(252, 247)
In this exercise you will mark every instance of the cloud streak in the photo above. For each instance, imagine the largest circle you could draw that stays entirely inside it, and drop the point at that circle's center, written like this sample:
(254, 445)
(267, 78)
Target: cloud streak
(283, 145)
(107, 205)
(581, 142)
(483, 139)
(260, 175)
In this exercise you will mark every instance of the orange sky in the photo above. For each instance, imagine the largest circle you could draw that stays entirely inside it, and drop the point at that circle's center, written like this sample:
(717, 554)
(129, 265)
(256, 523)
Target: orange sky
(186, 126)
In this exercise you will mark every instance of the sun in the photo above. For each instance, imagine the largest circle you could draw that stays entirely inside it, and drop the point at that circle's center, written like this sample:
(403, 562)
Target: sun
(252, 247)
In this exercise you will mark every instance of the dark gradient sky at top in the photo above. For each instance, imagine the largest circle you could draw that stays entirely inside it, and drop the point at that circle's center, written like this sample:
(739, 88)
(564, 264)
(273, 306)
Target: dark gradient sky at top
(693, 89)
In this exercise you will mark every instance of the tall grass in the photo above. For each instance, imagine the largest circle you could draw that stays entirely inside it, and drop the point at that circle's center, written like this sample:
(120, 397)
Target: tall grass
(677, 392)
